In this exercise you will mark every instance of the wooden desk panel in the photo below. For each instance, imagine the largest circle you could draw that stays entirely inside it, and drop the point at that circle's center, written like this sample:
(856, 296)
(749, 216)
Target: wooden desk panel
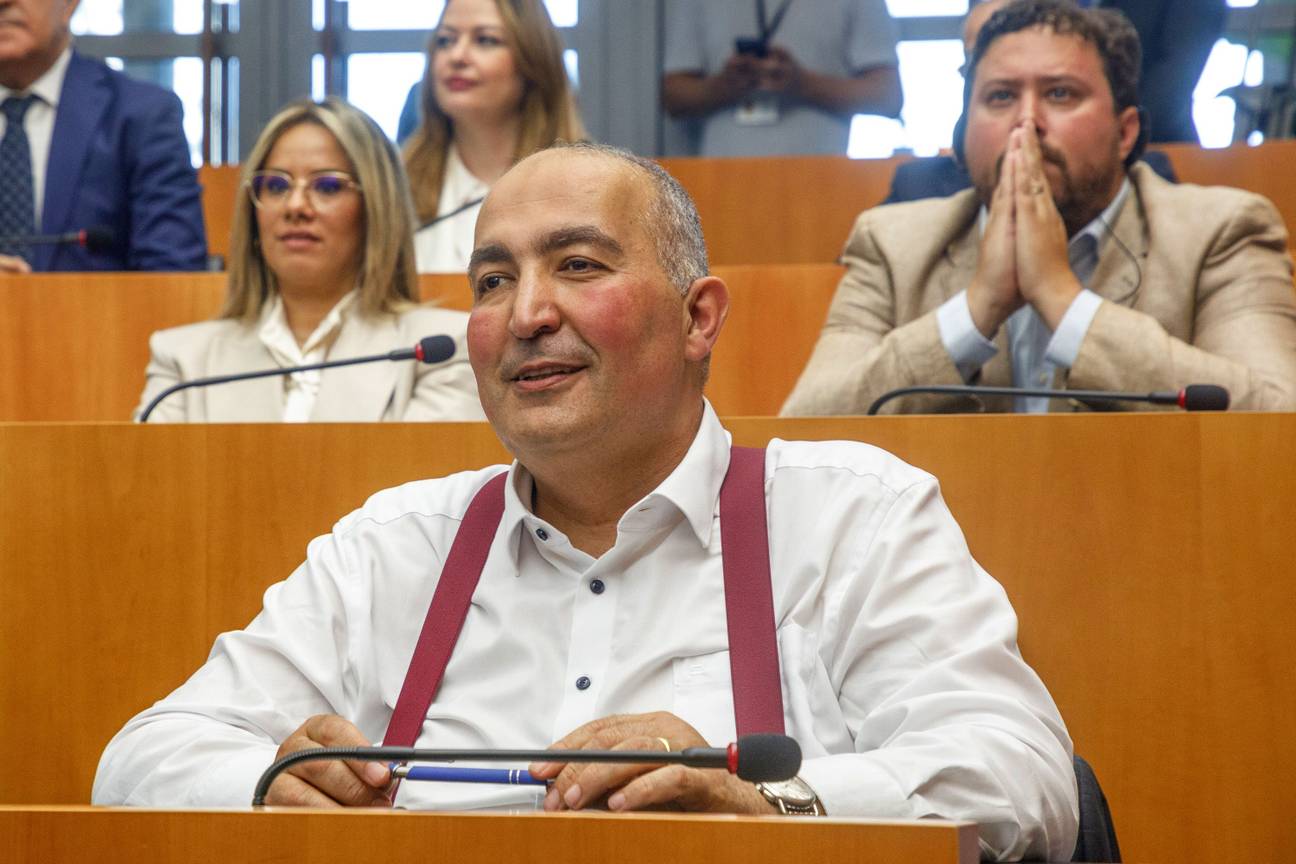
(1147, 556)
(73, 347)
(799, 209)
(110, 835)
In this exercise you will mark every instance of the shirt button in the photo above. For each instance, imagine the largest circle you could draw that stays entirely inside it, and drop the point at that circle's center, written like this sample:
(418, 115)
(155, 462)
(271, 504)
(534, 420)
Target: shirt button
(597, 586)
(542, 534)
(583, 683)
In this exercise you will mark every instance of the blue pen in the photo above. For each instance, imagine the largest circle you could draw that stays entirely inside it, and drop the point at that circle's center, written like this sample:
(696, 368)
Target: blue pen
(446, 774)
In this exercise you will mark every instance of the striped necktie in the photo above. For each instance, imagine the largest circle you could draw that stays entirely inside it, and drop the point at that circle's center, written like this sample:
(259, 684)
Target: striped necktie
(17, 200)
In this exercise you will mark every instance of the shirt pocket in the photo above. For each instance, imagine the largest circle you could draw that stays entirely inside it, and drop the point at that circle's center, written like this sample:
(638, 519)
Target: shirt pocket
(704, 695)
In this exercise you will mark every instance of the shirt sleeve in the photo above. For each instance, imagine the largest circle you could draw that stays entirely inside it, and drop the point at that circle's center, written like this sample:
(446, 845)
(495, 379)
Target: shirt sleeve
(948, 721)
(966, 346)
(872, 37)
(206, 743)
(1064, 346)
(684, 34)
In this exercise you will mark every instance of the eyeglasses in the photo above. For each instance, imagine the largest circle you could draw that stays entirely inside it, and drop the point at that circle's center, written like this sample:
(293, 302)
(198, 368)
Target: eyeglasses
(323, 190)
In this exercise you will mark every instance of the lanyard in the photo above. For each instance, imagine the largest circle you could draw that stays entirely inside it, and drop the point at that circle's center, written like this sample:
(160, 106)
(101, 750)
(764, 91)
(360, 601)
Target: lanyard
(769, 28)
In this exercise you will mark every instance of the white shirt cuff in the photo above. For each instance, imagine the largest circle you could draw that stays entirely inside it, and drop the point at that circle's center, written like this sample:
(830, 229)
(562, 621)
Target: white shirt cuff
(1064, 347)
(966, 346)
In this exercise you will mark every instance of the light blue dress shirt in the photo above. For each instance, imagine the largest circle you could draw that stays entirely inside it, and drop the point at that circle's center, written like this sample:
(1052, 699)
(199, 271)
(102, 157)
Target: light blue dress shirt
(1036, 353)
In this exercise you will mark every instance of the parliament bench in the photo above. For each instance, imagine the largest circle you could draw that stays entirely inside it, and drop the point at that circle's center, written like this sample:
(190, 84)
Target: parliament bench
(75, 346)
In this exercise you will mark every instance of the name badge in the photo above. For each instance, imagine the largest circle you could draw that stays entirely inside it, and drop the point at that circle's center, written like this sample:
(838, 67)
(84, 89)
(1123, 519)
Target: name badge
(758, 110)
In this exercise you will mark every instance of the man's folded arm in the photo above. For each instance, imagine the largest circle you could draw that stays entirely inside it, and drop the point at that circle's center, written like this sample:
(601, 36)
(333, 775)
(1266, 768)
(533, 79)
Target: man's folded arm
(206, 743)
(948, 720)
(1244, 325)
(861, 353)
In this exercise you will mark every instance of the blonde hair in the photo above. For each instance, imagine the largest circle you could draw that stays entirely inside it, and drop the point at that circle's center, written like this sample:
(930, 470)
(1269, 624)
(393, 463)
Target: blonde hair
(387, 278)
(548, 109)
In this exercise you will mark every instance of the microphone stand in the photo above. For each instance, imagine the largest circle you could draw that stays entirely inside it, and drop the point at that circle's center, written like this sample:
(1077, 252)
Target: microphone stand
(429, 350)
(1079, 395)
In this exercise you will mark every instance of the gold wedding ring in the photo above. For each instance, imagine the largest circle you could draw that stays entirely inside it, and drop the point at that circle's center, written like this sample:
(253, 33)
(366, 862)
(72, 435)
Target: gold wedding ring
(665, 744)
(1036, 189)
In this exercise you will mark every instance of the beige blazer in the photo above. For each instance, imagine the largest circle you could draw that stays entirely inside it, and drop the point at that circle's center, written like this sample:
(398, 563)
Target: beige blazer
(404, 390)
(1198, 290)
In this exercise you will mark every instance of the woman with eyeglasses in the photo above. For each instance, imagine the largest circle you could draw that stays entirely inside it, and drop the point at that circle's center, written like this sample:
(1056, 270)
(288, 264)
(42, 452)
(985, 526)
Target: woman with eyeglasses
(495, 91)
(321, 268)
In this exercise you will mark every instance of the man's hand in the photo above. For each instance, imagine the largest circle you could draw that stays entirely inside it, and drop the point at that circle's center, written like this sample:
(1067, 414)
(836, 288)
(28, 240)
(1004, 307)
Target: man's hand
(1043, 268)
(640, 787)
(780, 72)
(333, 782)
(739, 77)
(13, 264)
(994, 293)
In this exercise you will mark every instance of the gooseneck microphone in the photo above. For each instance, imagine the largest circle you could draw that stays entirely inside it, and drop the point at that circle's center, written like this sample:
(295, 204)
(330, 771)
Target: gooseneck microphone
(430, 349)
(1194, 397)
(96, 239)
(757, 758)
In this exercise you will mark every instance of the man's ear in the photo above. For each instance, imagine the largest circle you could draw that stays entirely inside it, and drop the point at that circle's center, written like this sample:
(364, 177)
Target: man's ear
(1131, 126)
(706, 306)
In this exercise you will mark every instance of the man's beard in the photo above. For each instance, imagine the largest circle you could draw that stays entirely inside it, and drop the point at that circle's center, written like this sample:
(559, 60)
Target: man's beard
(1079, 199)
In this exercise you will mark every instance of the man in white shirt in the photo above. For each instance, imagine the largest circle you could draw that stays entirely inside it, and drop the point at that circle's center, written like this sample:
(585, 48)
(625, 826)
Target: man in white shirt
(1069, 265)
(600, 618)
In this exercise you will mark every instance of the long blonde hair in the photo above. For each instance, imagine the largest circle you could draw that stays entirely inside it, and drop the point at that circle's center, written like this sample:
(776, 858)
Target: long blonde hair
(548, 109)
(388, 279)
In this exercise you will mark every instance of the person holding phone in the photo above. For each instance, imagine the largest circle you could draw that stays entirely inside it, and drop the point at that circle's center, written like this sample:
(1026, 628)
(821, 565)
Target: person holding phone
(770, 77)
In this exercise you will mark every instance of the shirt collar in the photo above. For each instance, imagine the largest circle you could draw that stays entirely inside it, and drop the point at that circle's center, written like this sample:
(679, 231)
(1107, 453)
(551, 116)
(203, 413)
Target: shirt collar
(48, 86)
(278, 338)
(692, 489)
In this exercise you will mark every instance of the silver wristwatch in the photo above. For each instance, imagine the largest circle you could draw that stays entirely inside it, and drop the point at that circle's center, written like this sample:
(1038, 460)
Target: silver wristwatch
(792, 797)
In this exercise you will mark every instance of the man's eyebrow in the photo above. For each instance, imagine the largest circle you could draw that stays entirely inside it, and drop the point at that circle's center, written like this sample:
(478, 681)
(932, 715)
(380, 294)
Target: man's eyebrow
(492, 253)
(577, 235)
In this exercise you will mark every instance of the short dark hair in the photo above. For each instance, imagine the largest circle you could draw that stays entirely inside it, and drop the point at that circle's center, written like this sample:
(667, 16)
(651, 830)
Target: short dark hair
(1108, 30)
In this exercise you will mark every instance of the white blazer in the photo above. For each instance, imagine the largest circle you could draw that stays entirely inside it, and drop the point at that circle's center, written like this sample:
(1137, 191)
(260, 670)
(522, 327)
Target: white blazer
(405, 390)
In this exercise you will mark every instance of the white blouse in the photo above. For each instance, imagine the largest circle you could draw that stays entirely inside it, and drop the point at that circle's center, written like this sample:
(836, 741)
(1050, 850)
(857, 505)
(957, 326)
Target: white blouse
(444, 245)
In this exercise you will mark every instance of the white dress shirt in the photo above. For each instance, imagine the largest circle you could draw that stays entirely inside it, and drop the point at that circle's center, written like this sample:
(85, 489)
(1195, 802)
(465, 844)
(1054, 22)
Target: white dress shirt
(1036, 354)
(39, 123)
(446, 246)
(300, 388)
(901, 676)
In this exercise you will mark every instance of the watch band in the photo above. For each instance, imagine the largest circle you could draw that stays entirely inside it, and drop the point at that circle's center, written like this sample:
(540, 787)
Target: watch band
(792, 797)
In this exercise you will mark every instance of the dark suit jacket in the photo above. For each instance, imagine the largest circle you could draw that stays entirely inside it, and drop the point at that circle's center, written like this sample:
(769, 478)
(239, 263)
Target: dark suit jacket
(119, 159)
(1177, 37)
(941, 177)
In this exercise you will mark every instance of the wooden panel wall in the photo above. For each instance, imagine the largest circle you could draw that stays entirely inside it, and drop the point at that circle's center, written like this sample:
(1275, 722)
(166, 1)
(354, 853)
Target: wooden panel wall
(74, 346)
(799, 209)
(1148, 558)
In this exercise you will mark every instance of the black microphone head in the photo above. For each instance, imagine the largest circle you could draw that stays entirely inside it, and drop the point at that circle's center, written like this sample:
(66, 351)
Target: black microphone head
(100, 238)
(435, 349)
(1205, 397)
(766, 757)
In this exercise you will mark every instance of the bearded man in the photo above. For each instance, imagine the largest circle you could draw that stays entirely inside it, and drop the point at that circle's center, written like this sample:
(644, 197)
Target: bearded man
(1069, 264)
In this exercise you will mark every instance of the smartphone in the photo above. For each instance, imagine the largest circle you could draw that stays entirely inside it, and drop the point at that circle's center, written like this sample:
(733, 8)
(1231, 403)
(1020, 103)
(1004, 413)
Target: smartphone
(751, 47)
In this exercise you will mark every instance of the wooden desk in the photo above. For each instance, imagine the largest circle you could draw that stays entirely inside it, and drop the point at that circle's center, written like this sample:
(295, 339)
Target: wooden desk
(75, 346)
(1148, 558)
(799, 209)
(109, 835)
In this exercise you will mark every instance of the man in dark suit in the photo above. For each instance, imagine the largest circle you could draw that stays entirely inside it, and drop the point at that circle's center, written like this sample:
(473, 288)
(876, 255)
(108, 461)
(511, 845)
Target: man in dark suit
(85, 147)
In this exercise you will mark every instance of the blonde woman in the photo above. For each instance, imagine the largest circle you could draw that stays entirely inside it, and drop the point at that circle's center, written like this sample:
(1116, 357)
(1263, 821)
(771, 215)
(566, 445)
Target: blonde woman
(321, 268)
(495, 91)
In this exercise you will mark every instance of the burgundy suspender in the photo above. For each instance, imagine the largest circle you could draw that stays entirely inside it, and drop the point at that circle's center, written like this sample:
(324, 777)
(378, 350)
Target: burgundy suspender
(749, 597)
(749, 604)
(446, 615)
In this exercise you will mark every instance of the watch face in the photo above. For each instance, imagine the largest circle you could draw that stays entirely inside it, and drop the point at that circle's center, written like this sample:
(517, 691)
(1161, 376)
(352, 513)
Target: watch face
(795, 791)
